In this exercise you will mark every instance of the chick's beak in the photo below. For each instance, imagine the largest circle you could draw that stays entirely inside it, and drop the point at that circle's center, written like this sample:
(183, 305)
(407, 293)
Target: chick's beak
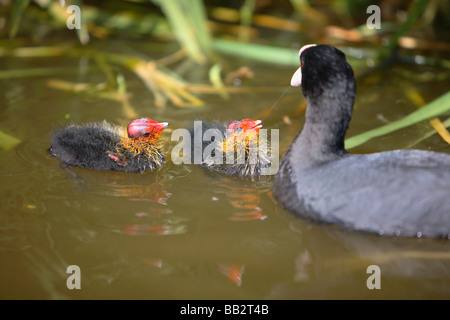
(164, 125)
(258, 125)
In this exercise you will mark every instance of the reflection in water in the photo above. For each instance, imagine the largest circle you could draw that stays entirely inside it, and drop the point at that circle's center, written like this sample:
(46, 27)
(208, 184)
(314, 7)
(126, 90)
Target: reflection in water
(408, 266)
(301, 265)
(142, 229)
(249, 215)
(232, 272)
(159, 224)
(146, 187)
(246, 199)
(154, 192)
(151, 188)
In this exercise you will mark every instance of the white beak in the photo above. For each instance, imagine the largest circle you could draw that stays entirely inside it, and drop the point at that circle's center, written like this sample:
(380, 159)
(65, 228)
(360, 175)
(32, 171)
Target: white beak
(296, 79)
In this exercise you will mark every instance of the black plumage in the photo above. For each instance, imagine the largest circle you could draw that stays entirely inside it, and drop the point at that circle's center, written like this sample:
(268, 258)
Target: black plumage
(401, 192)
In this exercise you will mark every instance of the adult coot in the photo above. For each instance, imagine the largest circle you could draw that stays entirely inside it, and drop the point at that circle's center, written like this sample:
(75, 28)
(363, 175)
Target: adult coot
(103, 146)
(401, 192)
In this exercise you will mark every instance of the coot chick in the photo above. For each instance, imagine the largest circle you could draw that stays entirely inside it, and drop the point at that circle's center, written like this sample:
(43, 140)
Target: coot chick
(103, 146)
(211, 142)
(401, 192)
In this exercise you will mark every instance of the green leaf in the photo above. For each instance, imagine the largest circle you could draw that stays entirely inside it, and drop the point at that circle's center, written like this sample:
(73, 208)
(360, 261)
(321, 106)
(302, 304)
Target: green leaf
(445, 123)
(417, 9)
(39, 72)
(216, 80)
(268, 54)
(432, 109)
(246, 14)
(187, 20)
(199, 20)
(18, 7)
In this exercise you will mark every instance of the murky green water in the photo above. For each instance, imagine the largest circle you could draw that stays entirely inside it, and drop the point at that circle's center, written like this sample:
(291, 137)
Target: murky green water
(181, 232)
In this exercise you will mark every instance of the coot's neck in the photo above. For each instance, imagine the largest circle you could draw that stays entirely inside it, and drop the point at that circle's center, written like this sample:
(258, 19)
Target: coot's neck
(327, 119)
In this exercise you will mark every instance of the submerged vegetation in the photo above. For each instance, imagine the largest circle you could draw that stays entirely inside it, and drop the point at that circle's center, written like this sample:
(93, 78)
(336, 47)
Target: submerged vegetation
(411, 32)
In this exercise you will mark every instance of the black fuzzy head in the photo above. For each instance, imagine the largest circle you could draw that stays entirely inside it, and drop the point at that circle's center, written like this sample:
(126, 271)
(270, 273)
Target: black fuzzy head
(324, 68)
